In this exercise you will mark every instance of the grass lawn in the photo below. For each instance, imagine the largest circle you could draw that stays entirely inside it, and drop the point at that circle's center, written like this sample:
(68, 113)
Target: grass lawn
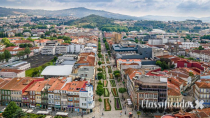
(40, 68)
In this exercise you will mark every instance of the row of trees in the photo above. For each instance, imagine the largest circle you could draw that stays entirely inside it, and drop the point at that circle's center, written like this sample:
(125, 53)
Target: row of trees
(100, 89)
(107, 46)
(99, 46)
(25, 45)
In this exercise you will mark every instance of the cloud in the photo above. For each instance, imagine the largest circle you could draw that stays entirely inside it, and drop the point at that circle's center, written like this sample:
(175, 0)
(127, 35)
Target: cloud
(195, 8)
(84, 0)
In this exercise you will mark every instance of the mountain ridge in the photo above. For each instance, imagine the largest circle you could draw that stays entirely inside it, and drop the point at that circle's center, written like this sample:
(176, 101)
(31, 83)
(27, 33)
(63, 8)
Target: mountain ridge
(83, 12)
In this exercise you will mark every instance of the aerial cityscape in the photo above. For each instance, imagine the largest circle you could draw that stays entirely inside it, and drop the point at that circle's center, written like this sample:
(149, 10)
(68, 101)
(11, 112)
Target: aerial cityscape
(104, 59)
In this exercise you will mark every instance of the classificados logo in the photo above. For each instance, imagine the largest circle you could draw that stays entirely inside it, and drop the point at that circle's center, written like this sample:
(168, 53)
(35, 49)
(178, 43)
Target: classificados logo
(166, 104)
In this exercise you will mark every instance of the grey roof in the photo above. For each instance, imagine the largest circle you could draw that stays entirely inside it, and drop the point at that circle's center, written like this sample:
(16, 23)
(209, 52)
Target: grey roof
(152, 79)
(63, 70)
(118, 47)
(129, 39)
(68, 62)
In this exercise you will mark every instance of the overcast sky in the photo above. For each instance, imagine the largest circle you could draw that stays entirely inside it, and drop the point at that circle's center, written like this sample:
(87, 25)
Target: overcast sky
(195, 8)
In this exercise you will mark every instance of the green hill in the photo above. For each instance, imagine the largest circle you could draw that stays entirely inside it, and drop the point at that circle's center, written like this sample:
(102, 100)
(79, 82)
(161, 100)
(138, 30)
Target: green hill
(92, 21)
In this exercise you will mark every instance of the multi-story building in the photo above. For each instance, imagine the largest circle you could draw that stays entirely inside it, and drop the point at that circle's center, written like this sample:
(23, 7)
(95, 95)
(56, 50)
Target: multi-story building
(61, 49)
(20, 65)
(48, 50)
(3, 82)
(143, 87)
(11, 73)
(79, 96)
(86, 72)
(202, 92)
(35, 92)
(88, 50)
(75, 48)
(203, 55)
(44, 92)
(54, 94)
(188, 45)
(6, 92)
(120, 62)
(174, 95)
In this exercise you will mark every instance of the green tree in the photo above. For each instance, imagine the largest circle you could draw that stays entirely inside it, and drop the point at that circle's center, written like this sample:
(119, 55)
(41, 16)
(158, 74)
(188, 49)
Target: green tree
(158, 62)
(138, 113)
(100, 69)
(30, 39)
(20, 54)
(10, 110)
(100, 76)
(2, 57)
(19, 113)
(100, 90)
(100, 100)
(124, 37)
(35, 72)
(55, 58)
(27, 51)
(42, 36)
(99, 55)
(100, 83)
(99, 63)
(200, 48)
(7, 55)
(191, 74)
(117, 75)
(122, 90)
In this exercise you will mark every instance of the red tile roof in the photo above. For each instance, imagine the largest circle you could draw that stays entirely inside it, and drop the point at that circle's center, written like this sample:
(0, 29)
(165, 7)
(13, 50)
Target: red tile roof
(11, 70)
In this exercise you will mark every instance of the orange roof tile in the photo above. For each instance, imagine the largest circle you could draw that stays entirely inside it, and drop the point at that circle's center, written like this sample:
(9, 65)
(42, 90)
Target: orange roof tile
(11, 70)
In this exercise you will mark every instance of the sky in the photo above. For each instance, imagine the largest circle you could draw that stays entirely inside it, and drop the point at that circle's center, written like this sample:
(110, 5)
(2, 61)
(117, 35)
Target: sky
(186, 8)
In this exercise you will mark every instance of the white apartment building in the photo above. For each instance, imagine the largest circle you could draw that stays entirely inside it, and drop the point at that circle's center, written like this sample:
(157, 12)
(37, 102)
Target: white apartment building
(48, 50)
(188, 45)
(75, 48)
(88, 50)
(86, 98)
(61, 49)
(203, 55)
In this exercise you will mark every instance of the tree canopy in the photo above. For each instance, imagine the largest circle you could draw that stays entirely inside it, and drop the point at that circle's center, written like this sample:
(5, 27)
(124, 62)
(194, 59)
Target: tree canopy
(7, 55)
(10, 110)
